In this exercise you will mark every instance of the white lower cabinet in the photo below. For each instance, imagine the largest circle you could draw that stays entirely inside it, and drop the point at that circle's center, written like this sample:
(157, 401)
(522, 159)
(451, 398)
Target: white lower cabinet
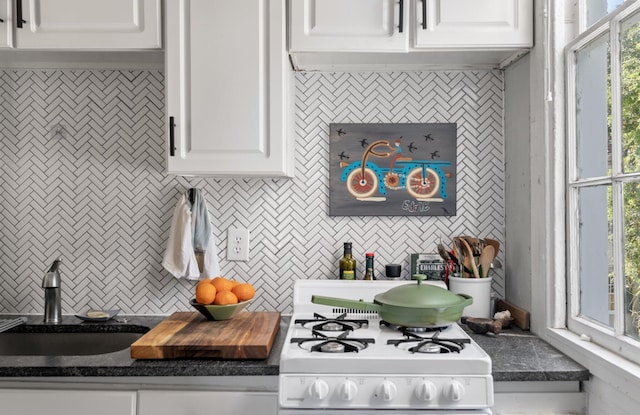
(539, 398)
(163, 402)
(67, 402)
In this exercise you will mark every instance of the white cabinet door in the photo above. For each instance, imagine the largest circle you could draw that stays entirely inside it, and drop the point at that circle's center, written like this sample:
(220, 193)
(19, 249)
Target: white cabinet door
(6, 29)
(349, 25)
(207, 403)
(67, 402)
(490, 24)
(89, 24)
(227, 84)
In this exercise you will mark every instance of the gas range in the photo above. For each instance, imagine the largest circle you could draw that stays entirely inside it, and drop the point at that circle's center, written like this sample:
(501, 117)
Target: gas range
(354, 362)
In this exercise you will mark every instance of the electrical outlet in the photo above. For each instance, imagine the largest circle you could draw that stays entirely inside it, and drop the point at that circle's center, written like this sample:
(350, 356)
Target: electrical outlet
(238, 244)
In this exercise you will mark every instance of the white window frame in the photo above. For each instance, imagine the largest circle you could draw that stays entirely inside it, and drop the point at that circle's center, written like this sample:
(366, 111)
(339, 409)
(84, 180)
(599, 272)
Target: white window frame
(611, 339)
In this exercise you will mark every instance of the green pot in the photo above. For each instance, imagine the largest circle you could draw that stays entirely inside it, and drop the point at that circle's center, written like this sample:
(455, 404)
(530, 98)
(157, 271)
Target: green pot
(410, 305)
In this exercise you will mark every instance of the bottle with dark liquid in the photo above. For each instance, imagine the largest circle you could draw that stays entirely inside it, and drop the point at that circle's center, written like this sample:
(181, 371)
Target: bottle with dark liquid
(347, 264)
(370, 269)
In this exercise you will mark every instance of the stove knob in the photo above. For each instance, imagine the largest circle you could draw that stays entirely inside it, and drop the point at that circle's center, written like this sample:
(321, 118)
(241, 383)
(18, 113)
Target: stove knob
(318, 390)
(386, 391)
(348, 390)
(426, 391)
(456, 391)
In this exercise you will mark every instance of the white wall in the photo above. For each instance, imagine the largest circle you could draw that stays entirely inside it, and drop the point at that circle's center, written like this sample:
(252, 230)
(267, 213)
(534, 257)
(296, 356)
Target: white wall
(517, 175)
(97, 194)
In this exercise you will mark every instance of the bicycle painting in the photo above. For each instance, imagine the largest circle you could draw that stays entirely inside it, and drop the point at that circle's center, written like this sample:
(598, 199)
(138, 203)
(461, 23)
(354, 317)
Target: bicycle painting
(393, 169)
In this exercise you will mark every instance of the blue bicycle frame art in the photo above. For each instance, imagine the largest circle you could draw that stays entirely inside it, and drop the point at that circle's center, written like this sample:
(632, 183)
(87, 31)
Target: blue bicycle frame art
(393, 169)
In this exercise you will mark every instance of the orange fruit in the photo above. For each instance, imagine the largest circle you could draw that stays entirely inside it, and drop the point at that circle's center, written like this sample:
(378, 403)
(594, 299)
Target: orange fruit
(234, 283)
(244, 291)
(204, 281)
(222, 284)
(205, 293)
(225, 297)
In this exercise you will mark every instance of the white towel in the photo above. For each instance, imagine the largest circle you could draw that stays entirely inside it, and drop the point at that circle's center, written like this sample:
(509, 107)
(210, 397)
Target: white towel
(180, 257)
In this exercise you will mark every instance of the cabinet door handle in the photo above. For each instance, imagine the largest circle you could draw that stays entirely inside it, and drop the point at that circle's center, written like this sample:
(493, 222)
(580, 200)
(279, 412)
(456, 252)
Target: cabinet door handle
(424, 14)
(19, 20)
(172, 137)
(401, 19)
(1, 20)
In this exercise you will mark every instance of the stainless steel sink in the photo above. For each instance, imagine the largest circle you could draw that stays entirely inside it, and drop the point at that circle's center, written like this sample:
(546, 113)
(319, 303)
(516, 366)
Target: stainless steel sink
(64, 343)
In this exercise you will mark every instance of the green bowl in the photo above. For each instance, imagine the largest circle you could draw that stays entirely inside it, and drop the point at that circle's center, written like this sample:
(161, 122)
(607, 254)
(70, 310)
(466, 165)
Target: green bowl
(219, 312)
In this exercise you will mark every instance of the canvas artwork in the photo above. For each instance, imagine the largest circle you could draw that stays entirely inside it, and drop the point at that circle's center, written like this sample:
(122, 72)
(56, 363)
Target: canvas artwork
(393, 169)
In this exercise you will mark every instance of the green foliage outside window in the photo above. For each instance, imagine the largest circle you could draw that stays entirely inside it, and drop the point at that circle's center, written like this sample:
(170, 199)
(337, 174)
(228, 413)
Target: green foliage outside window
(630, 65)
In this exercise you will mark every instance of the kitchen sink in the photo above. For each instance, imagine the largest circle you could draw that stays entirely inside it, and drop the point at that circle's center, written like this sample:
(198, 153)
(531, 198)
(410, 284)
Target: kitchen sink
(64, 343)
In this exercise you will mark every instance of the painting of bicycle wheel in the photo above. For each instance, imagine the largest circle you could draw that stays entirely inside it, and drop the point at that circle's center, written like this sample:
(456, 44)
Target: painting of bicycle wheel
(393, 169)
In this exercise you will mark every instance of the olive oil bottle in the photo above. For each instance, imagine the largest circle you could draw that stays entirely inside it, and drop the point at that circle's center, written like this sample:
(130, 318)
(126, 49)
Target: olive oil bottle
(347, 264)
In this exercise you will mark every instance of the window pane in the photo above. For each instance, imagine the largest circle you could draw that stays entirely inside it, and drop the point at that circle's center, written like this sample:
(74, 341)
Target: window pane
(630, 65)
(596, 9)
(632, 258)
(593, 109)
(595, 254)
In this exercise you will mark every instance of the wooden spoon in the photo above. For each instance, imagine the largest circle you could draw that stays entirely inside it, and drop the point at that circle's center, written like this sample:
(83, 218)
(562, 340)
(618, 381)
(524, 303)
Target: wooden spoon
(457, 252)
(474, 244)
(495, 244)
(486, 257)
(468, 260)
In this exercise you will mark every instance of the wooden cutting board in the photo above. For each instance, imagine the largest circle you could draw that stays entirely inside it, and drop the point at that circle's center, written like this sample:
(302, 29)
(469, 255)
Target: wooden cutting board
(248, 335)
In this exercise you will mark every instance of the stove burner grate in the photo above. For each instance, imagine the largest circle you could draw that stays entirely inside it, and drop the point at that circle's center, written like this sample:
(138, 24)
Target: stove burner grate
(399, 328)
(326, 344)
(340, 323)
(433, 344)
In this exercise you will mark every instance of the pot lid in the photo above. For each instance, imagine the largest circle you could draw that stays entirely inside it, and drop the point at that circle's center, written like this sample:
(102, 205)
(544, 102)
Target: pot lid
(419, 295)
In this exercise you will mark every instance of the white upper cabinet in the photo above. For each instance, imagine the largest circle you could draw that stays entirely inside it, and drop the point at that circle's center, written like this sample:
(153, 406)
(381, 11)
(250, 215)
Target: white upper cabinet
(227, 85)
(363, 34)
(349, 25)
(486, 24)
(6, 32)
(85, 24)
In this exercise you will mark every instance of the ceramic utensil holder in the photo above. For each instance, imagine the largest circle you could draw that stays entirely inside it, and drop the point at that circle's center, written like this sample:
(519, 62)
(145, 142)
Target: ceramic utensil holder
(479, 289)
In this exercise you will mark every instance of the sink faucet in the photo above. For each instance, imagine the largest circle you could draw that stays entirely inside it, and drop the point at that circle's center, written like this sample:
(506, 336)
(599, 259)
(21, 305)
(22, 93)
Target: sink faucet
(51, 285)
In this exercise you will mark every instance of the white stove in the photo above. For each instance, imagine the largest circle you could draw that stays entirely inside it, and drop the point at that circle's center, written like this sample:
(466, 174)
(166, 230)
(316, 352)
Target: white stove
(356, 364)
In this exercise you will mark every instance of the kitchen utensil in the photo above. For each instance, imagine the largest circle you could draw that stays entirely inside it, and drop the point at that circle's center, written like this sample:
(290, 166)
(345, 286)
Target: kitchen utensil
(185, 335)
(469, 262)
(219, 312)
(495, 244)
(474, 244)
(443, 252)
(411, 305)
(457, 249)
(484, 263)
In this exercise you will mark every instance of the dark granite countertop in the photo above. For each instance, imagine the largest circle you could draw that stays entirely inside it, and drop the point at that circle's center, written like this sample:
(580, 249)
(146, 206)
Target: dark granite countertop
(121, 364)
(516, 356)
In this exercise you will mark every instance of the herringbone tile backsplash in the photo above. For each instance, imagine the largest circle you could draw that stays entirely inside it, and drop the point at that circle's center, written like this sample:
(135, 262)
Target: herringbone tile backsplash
(82, 177)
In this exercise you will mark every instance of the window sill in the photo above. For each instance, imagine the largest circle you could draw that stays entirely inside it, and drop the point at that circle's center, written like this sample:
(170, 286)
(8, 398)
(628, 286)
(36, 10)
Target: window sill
(601, 363)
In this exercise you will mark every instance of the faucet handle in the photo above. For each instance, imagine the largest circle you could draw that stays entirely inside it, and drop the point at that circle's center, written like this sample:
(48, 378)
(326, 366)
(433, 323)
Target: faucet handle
(52, 277)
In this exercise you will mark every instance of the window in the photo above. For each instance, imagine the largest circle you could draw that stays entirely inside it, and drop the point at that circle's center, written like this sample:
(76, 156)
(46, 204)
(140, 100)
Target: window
(594, 10)
(603, 181)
